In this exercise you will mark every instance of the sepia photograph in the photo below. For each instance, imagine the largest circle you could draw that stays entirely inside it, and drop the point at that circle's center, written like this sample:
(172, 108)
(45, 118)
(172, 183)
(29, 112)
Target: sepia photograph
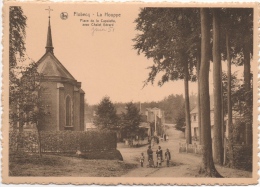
(130, 93)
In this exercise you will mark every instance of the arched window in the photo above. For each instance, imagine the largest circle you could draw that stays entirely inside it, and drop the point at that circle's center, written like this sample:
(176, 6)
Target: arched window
(68, 111)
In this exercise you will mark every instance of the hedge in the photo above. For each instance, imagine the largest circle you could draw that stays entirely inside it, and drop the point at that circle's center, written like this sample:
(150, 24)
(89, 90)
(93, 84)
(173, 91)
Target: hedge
(63, 141)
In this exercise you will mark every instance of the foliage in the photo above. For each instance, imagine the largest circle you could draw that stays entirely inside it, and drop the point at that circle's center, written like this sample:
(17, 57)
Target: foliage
(130, 120)
(171, 105)
(63, 141)
(238, 95)
(180, 119)
(242, 157)
(17, 25)
(238, 22)
(171, 38)
(24, 99)
(106, 117)
(27, 141)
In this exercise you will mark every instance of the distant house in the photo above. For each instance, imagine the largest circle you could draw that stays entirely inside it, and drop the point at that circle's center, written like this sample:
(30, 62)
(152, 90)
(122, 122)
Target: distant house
(194, 122)
(155, 117)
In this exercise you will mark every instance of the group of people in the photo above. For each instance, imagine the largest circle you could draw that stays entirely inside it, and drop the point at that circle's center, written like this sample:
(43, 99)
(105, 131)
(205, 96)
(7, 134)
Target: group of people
(159, 156)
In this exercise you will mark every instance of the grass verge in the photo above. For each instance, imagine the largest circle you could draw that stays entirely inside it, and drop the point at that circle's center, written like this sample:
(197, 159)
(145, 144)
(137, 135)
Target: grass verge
(24, 164)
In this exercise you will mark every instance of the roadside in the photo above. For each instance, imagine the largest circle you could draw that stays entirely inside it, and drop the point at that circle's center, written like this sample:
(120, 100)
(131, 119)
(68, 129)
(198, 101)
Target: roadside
(182, 164)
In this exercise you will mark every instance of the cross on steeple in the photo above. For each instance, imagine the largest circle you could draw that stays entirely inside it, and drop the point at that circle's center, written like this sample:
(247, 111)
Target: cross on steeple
(49, 9)
(49, 47)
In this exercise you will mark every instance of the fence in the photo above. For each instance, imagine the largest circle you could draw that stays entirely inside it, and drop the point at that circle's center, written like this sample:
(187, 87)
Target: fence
(62, 141)
(190, 148)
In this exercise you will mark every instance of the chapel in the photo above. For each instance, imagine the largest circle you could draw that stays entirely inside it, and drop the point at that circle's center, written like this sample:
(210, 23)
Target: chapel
(61, 93)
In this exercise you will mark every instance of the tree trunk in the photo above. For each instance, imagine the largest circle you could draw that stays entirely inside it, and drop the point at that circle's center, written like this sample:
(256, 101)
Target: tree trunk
(39, 140)
(222, 118)
(217, 76)
(187, 103)
(208, 166)
(230, 125)
(247, 80)
(198, 99)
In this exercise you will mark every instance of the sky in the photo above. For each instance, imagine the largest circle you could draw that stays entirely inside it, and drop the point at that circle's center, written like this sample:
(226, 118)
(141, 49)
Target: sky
(105, 62)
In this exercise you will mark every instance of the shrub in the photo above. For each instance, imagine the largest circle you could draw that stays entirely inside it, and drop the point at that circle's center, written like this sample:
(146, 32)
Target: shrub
(242, 157)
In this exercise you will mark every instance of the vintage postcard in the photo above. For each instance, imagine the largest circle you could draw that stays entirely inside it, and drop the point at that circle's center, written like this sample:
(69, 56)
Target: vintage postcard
(130, 93)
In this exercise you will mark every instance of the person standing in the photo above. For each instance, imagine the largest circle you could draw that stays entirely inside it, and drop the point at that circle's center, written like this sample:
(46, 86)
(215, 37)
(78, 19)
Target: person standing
(142, 159)
(159, 154)
(149, 153)
(167, 157)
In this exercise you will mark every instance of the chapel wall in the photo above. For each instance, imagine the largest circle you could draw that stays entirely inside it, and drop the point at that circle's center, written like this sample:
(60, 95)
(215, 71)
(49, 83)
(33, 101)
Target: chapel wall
(49, 98)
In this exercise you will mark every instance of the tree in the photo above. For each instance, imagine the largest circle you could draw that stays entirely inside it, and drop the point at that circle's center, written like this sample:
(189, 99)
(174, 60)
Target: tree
(247, 51)
(238, 23)
(38, 115)
(26, 105)
(106, 117)
(17, 25)
(23, 94)
(236, 41)
(171, 105)
(208, 166)
(131, 120)
(169, 35)
(218, 143)
(25, 99)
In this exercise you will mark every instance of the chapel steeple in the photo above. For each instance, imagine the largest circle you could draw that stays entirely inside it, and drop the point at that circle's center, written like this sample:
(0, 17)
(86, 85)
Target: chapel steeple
(49, 47)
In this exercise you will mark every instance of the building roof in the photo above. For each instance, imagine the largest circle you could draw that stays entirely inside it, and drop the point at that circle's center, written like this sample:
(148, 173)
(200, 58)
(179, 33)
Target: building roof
(50, 66)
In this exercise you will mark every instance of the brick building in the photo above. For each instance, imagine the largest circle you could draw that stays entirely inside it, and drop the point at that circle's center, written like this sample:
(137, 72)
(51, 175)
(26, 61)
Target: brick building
(61, 92)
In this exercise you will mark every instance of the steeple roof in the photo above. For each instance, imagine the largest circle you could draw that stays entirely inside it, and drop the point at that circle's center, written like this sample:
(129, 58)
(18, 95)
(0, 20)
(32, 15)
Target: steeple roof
(49, 47)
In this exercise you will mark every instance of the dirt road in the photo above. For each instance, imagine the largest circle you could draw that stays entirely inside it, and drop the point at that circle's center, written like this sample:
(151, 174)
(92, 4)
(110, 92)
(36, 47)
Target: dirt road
(182, 164)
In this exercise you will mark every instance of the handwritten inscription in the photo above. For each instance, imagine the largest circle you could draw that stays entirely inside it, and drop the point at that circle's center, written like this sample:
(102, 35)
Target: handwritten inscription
(96, 29)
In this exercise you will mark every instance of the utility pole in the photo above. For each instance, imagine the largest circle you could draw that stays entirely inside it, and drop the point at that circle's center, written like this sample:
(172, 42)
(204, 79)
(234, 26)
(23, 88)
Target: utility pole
(155, 129)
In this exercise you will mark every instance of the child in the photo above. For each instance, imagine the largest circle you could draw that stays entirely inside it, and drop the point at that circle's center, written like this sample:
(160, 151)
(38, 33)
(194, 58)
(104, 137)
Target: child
(142, 159)
(168, 157)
